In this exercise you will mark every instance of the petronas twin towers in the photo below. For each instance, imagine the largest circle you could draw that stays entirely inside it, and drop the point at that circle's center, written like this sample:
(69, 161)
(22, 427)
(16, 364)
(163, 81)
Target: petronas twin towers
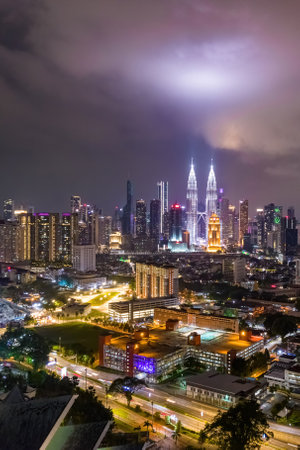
(192, 202)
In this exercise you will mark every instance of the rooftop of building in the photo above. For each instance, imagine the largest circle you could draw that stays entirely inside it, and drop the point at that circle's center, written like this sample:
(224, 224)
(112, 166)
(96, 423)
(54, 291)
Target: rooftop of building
(222, 383)
(162, 342)
(294, 368)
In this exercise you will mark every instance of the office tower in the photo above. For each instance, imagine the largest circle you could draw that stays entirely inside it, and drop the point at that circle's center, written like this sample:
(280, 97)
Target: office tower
(243, 220)
(155, 217)
(116, 221)
(233, 221)
(105, 230)
(176, 223)
(260, 221)
(214, 234)
(84, 258)
(163, 197)
(234, 270)
(289, 234)
(272, 228)
(153, 281)
(69, 230)
(8, 209)
(253, 235)
(291, 212)
(211, 196)
(75, 204)
(192, 206)
(141, 219)
(225, 220)
(127, 222)
(46, 237)
(27, 236)
(9, 241)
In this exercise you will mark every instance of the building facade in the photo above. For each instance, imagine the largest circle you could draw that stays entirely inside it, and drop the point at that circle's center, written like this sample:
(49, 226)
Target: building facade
(192, 206)
(154, 281)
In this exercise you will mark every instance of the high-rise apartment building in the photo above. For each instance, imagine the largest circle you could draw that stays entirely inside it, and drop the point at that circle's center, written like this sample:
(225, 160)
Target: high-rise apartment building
(69, 231)
(46, 237)
(154, 281)
(243, 220)
(176, 222)
(141, 219)
(27, 236)
(8, 209)
(9, 241)
(192, 206)
(163, 197)
(105, 230)
(211, 196)
(75, 204)
(84, 258)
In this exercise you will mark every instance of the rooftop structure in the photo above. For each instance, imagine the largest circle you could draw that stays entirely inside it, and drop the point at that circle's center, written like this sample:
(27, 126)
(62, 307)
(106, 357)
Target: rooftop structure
(220, 389)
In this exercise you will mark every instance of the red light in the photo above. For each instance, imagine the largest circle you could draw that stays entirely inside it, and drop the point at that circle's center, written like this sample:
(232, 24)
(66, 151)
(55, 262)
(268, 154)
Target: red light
(9, 268)
(273, 286)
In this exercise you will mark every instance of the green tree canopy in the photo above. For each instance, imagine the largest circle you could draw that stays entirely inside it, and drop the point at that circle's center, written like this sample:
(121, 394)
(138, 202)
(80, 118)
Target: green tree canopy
(24, 344)
(126, 386)
(243, 427)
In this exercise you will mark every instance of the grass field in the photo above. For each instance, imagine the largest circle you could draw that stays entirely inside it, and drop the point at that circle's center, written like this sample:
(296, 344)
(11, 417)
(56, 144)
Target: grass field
(74, 333)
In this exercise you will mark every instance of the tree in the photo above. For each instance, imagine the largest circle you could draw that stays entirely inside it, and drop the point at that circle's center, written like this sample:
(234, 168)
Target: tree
(87, 408)
(280, 324)
(242, 427)
(8, 380)
(23, 344)
(126, 386)
(147, 425)
(177, 432)
(283, 326)
(239, 367)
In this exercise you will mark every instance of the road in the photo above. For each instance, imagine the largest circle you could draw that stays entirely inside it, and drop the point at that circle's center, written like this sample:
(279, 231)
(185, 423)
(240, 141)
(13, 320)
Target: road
(193, 415)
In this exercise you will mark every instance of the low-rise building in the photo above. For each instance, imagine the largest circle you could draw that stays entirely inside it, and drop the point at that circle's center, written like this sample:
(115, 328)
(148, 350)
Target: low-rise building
(138, 309)
(285, 373)
(160, 352)
(189, 316)
(221, 390)
(76, 309)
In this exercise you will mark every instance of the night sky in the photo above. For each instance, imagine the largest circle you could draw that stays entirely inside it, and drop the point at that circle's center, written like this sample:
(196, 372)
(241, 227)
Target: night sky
(93, 92)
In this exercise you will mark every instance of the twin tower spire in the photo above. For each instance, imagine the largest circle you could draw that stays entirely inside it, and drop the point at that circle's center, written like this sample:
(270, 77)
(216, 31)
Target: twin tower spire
(192, 201)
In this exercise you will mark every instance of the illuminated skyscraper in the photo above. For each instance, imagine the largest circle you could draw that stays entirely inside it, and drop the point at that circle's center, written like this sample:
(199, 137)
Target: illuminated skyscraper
(192, 205)
(162, 187)
(46, 234)
(69, 228)
(155, 219)
(127, 223)
(75, 204)
(8, 209)
(211, 196)
(214, 234)
(141, 221)
(176, 223)
(243, 220)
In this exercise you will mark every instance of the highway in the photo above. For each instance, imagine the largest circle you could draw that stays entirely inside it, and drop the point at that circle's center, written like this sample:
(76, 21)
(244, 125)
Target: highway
(193, 415)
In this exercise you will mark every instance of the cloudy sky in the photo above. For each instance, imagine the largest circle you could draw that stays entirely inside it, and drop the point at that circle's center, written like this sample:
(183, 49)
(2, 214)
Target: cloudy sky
(93, 92)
